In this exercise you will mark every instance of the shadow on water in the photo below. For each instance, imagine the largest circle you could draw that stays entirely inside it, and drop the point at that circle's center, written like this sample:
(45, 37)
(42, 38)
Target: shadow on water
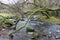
(47, 31)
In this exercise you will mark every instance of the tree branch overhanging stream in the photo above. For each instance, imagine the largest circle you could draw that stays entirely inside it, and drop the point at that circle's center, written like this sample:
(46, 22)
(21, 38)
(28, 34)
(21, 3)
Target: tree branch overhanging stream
(32, 13)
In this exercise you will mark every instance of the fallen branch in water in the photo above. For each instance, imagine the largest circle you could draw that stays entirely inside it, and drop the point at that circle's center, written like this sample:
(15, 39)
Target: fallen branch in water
(23, 25)
(33, 12)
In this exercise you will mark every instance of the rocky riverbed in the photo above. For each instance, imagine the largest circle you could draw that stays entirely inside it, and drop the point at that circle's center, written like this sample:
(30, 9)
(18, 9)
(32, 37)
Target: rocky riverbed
(46, 31)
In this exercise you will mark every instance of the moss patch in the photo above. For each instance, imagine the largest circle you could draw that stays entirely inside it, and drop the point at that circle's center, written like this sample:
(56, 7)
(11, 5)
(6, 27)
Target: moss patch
(6, 15)
(50, 20)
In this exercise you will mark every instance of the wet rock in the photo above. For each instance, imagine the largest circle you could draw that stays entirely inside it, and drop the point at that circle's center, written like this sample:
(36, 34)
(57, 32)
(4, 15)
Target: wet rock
(44, 35)
(49, 36)
(57, 37)
(48, 33)
(28, 29)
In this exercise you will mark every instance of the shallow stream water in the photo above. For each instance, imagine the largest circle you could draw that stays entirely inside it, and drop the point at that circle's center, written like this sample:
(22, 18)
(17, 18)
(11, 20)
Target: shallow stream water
(47, 31)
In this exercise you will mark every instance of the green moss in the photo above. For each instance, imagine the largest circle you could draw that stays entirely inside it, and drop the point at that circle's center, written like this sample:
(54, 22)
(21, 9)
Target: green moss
(4, 20)
(41, 17)
(6, 15)
(9, 21)
(50, 20)
(35, 35)
(28, 29)
(53, 20)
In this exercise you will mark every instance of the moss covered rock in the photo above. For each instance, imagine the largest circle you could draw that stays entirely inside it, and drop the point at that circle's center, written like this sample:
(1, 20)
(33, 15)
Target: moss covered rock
(52, 19)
